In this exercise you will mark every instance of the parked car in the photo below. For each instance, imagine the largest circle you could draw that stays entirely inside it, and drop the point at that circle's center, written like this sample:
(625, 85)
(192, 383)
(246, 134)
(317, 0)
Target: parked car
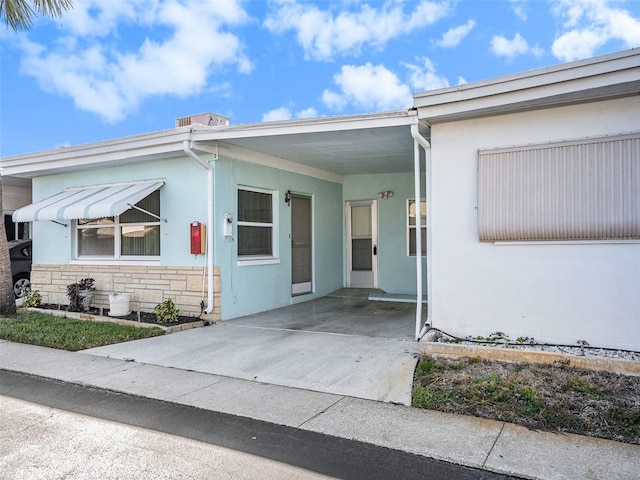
(20, 254)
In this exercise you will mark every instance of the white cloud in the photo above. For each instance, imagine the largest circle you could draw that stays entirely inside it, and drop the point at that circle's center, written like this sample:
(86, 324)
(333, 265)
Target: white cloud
(325, 33)
(368, 87)
(503, 47)
(107, 77)
(99, 18)
(455, 35)
(307, 113)
(519, 8)
(282, 113)
(590, 24)
(423, 77)
(285, 113)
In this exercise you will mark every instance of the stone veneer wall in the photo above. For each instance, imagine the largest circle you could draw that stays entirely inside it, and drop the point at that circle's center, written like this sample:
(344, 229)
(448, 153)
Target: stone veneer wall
(148, 285)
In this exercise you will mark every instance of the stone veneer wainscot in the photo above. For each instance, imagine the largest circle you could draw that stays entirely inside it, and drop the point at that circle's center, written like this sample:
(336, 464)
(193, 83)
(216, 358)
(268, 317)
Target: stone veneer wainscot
(148, 285)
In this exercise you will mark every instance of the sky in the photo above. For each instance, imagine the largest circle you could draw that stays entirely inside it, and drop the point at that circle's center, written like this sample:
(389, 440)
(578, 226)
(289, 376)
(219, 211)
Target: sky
(114, 68)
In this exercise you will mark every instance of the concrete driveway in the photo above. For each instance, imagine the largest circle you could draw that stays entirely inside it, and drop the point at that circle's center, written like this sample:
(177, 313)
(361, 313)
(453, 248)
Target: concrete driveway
(338, 344)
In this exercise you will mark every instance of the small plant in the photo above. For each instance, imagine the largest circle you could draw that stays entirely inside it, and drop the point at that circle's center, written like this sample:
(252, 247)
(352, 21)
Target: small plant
(166, 312)
(527, 340)
(32, 299)
(498, 337)
(562, 363)
(582, 385)
(495, 337)
(79, 300)
(582, 344)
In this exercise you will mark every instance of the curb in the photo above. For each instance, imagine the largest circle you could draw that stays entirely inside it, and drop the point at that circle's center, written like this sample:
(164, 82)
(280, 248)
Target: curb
(121, 321)
(623, 367)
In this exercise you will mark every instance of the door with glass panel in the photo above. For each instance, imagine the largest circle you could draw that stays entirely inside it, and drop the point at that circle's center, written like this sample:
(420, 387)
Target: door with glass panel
(362, 244)
(301, 245)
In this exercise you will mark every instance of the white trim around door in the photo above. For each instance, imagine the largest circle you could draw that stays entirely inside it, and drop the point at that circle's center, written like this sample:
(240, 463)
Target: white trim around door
(362, 243)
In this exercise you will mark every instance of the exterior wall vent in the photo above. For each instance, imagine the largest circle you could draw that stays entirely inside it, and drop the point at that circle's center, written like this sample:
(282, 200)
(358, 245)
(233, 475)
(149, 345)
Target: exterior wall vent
(207, 119)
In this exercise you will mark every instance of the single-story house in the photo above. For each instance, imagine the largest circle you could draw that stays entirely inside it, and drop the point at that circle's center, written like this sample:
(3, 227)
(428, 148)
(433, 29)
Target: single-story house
(511, 205)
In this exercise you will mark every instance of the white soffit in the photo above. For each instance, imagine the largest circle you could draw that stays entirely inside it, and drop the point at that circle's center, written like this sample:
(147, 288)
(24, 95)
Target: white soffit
(377, 143)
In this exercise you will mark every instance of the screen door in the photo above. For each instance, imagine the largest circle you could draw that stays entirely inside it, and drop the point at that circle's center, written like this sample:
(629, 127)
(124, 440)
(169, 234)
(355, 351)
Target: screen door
(362, 248)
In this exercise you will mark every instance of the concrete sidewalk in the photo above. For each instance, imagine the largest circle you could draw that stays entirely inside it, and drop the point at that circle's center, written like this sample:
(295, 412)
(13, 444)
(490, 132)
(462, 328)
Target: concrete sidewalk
(483, 444)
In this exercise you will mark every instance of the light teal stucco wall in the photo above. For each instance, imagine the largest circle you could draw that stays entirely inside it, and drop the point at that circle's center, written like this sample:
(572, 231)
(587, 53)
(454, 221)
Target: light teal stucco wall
(396, 270)
(182, 200)
(255, 288)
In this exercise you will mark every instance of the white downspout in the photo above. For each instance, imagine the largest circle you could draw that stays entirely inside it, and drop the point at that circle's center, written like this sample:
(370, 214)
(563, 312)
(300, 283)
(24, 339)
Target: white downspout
(186, 146)
(420, 141)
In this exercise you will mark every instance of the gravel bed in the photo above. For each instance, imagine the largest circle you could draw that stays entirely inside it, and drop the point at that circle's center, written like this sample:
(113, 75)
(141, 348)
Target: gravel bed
(584, 351)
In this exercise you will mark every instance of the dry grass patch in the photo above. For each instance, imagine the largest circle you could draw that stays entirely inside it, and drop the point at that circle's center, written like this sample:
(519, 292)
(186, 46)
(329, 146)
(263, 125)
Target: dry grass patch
(543, 397)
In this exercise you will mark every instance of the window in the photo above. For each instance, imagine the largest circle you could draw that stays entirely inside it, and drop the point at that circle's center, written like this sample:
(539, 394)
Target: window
(16, 231)
(581, 190)
(411, 227)
(256, 232)
(134, 234)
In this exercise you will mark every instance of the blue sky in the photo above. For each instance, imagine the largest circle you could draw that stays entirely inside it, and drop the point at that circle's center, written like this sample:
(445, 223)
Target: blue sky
(114, 68)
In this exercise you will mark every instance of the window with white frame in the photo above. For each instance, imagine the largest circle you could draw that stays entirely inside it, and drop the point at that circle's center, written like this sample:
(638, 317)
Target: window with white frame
(412, 225)
(133, 235)
(16, 230)
(256, 225)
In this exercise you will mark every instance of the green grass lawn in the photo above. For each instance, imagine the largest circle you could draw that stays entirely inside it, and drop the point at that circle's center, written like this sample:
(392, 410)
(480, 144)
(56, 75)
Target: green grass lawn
(70, 334)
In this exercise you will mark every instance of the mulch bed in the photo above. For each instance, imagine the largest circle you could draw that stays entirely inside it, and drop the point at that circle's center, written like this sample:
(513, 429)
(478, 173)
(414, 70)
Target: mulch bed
(145, 317)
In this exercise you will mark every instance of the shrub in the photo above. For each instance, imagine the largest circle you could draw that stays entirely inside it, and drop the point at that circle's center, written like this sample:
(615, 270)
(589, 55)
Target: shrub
(166, 312)
(32, 299)
(73, 293)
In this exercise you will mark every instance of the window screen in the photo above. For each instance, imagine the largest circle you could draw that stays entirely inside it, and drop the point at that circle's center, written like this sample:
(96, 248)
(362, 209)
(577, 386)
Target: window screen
(255, 223)
(586, 190)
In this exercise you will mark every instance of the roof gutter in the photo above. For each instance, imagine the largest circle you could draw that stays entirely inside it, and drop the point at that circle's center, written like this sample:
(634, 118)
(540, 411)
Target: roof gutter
(420, 141)
(186, 146)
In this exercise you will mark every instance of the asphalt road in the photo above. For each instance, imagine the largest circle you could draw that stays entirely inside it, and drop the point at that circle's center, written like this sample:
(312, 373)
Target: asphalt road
(52, 429)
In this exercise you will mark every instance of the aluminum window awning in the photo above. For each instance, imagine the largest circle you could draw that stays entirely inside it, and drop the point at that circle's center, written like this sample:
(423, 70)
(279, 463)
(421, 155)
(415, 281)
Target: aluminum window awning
(96, 201)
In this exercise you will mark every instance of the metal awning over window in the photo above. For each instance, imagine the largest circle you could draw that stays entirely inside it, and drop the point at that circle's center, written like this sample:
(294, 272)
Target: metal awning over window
(95, 201)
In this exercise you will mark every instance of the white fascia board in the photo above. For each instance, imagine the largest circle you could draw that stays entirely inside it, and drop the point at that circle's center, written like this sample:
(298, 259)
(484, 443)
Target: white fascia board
(92, 155)
(607, 76)
(301, 126)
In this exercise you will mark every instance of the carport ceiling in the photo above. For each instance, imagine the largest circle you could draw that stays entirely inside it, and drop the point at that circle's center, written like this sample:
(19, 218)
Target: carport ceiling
(346, 152)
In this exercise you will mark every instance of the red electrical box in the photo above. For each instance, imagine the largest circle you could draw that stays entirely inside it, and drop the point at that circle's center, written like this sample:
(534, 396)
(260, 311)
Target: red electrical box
(198, 238)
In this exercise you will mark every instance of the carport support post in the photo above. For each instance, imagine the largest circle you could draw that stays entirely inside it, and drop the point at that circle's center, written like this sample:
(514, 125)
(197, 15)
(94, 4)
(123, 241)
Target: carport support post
(419, 141)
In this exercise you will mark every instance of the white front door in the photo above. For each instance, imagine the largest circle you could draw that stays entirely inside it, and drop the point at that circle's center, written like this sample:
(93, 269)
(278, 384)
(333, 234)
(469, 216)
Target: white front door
(362, 244)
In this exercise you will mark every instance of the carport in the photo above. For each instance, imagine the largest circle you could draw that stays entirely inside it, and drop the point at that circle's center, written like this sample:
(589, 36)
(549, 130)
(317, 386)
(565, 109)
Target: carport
(348, 311)
(331, 149)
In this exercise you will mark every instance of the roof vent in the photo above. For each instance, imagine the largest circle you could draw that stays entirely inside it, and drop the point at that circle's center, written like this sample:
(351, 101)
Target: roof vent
(208, 119)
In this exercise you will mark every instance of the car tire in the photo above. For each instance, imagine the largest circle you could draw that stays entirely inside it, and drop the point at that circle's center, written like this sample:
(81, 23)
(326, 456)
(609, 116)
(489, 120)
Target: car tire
(21, 285)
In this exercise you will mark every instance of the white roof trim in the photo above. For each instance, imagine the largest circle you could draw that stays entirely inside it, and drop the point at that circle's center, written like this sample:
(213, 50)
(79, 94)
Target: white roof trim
(607, 76)
(305, 125)
(96, 201)
(168, 143)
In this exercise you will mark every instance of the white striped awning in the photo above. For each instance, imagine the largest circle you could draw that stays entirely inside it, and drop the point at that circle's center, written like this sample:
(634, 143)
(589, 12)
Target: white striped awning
(97, 201)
